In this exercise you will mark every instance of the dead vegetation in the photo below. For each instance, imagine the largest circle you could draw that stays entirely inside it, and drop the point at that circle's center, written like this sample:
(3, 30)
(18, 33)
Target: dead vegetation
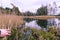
(10, 21)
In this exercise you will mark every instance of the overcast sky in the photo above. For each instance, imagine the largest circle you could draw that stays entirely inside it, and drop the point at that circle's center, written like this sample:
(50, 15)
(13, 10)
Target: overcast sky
(25, 5)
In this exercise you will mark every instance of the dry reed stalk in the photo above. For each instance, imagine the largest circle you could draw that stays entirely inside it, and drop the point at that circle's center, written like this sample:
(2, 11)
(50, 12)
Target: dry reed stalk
(10, 21)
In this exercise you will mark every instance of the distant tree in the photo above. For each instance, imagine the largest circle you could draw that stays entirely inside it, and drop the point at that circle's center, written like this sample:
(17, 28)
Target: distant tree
(42, 11)
(8, 10)
(28, 13)
(2, 10)
(58, 16)
(16, 11)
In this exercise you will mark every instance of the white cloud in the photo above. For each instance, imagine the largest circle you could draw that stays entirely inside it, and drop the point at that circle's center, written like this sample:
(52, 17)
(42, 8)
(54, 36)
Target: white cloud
(5, 3)
(25, 5)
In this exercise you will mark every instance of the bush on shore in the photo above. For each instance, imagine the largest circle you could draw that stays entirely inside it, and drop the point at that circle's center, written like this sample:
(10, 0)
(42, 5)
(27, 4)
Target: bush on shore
(34, 34)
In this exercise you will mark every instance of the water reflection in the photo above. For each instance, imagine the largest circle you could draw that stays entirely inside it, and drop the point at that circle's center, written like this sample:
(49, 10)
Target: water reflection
(32, 24)
(51, 22)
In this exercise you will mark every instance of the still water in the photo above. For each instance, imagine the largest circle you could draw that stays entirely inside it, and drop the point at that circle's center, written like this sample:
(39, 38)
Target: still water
(33, 23)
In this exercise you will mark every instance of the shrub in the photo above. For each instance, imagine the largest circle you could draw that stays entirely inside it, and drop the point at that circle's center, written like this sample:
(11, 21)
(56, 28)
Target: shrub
(34, 34)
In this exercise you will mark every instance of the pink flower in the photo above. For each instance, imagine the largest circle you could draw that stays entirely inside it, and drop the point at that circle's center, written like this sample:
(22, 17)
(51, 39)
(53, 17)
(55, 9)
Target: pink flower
(5, 32)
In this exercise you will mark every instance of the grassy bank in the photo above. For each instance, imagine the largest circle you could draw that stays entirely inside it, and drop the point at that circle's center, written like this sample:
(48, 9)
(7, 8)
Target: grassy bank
(34, 34)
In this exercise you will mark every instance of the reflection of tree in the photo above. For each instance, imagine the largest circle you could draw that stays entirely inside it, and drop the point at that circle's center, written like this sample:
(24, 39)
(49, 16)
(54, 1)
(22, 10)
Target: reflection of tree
(42, 11)
(28, 13)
